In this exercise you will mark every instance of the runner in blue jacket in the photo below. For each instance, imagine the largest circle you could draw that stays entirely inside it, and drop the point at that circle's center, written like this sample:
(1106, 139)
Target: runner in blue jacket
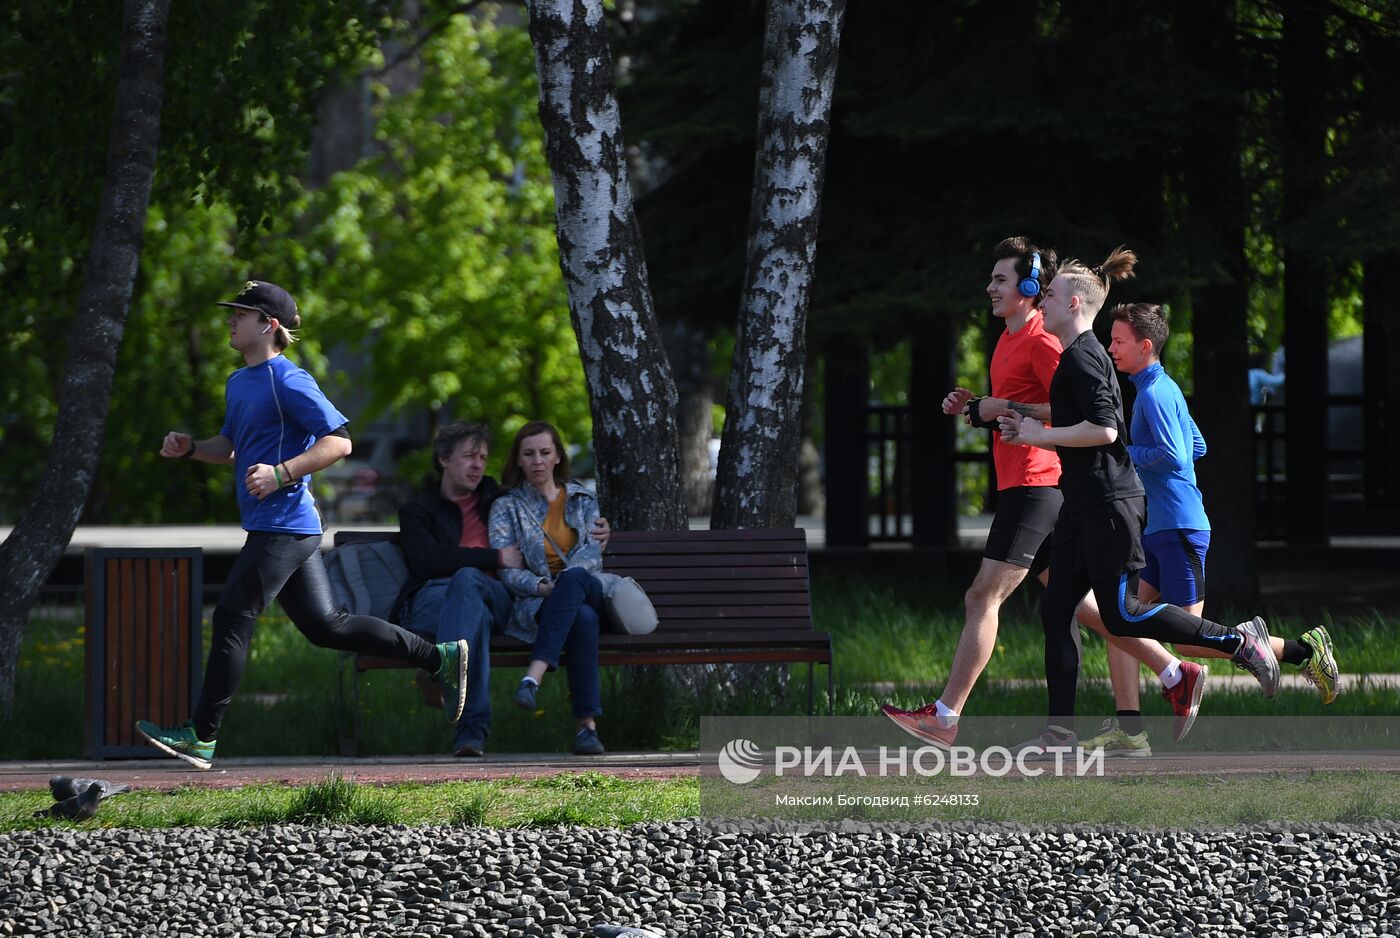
(1165, 446)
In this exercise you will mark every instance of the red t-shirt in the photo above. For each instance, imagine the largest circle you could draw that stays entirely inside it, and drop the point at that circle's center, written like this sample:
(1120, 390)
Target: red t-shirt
(474, 532)
(1022, 366)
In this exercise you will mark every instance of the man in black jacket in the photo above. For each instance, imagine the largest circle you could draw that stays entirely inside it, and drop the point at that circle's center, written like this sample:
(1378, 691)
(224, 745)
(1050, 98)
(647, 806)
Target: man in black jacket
(452, 590)
(452, 587)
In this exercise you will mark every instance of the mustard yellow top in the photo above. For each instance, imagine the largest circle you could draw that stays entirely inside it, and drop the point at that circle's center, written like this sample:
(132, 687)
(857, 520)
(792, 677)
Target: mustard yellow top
(556, 527)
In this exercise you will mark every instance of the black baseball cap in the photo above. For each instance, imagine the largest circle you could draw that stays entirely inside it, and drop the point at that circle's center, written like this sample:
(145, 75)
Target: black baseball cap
(268, 299)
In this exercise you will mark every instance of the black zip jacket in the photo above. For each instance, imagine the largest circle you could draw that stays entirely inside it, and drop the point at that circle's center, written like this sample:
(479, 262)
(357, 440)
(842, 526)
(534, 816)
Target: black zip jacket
(430, 530)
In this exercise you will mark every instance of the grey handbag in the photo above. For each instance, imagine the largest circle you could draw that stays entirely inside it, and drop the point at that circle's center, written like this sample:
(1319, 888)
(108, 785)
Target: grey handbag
(626, 604)
(628, 607)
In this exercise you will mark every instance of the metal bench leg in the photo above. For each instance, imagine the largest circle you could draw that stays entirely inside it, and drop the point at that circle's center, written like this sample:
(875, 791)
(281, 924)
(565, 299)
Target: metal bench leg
(811, 679)
(347, 714)
(831, 688)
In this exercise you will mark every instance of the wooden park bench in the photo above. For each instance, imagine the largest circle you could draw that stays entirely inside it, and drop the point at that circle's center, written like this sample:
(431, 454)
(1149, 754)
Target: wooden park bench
(721, 596)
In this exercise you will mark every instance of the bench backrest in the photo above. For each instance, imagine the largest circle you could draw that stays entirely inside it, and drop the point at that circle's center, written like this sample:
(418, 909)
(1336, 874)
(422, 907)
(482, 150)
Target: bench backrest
(707, 581)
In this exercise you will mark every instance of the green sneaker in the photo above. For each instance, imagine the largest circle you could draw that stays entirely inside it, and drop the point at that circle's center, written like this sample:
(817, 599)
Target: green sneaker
(1320, 670)
(180, 741)
(452, 674)
(1115, 743)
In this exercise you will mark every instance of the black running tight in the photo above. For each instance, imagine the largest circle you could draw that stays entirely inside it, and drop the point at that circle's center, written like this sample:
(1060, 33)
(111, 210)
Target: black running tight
(288, 567)
(1122, 615)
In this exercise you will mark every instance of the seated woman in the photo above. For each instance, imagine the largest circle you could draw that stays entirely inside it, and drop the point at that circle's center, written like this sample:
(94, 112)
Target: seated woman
(558, 604)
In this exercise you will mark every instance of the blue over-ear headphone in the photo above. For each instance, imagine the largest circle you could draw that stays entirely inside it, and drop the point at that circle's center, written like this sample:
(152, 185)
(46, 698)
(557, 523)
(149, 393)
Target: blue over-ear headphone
(1030, 285)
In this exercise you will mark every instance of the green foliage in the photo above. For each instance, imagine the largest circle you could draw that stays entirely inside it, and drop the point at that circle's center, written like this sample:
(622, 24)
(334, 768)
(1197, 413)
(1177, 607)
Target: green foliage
(242, 80)
(437, 257)
(431, 265)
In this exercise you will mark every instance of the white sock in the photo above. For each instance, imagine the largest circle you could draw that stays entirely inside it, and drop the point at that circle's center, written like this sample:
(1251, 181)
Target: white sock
(528, 679)
(1171, 674)
(946, 718)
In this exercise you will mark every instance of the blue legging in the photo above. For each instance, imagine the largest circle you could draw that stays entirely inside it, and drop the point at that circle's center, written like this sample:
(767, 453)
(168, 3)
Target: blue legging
(569, 623)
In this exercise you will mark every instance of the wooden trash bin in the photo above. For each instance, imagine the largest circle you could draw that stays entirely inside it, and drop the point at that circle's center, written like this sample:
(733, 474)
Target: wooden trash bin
(144, 644)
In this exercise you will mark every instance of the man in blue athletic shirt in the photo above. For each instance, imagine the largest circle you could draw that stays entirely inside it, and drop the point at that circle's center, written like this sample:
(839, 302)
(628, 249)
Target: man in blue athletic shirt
(1165, 446)
(278, 430)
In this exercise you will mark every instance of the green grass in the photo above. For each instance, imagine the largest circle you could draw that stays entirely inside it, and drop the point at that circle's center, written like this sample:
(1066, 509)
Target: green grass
(596, 800)
(909, 632)
(903, 634)
(590, 799)
(1152, 802)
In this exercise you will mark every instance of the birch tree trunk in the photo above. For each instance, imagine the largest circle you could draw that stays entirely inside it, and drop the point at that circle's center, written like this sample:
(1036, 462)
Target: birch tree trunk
(688, 350)
(34, 547)
(757, 482)
(632, 394)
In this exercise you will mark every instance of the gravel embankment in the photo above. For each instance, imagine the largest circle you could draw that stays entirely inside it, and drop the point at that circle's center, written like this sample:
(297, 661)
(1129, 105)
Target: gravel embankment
(698, 878)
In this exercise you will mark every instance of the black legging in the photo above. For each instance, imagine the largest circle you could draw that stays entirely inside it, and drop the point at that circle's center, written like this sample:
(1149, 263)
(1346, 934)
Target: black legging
(1122, 615)
(288, 567)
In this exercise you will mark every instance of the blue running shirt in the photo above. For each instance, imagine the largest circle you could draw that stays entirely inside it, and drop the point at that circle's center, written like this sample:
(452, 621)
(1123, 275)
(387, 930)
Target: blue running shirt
(275, 411)
(1166, 444)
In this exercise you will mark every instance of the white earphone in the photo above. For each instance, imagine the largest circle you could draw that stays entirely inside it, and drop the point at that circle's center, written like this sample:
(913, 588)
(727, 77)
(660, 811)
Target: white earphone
(267, 330)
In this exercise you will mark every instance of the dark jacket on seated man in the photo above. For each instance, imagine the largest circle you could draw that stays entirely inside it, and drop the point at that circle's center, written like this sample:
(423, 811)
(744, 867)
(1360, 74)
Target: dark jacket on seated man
(430, 528)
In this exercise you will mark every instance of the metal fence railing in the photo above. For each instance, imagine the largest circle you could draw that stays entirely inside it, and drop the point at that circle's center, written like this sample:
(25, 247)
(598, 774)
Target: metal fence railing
(888, 441)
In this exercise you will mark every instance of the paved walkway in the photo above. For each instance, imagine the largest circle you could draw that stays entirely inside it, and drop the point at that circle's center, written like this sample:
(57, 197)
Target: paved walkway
(1227, 682)
(167, 774)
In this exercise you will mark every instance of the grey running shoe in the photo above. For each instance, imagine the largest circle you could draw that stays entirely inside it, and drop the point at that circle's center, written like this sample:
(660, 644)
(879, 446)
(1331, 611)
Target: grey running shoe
(1040, 747)
(1256, 655)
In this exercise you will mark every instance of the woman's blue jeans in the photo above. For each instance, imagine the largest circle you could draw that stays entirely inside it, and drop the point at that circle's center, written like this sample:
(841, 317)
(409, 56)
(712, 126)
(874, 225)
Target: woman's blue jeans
(569, 623)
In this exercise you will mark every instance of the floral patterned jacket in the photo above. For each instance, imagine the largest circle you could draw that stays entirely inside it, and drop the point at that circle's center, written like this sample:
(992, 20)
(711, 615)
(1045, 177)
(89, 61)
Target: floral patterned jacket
(517, 518)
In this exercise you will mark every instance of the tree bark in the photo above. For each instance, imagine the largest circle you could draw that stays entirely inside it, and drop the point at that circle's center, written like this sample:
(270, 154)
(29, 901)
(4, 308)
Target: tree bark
(632, 394)
(757, 482)
(1215, 223)
(33, 549)
(811, 500)
(688, 348)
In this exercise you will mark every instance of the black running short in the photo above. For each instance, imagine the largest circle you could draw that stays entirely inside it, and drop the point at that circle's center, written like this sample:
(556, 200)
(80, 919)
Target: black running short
(1021, 527)
(1104, 540)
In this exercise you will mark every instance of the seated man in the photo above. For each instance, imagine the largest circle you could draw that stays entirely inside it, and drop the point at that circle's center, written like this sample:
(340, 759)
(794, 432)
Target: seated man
(452, 588)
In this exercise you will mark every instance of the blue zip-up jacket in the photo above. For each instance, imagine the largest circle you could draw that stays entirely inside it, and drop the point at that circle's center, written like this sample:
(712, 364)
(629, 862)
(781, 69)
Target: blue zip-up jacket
(1166, 444)
(517, 519)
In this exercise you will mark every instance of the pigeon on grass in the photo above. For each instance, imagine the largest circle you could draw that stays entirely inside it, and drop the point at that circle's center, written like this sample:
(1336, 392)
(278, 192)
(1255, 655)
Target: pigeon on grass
(77, 799)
